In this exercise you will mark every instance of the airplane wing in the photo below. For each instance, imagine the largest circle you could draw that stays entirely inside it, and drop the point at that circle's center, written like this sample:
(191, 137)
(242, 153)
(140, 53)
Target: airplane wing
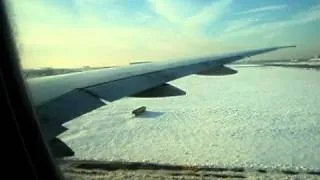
(61, 98)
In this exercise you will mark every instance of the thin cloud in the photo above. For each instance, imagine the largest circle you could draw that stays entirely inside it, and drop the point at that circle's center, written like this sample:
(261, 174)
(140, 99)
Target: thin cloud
(272, 35)
(166, 9)
(316, 6)
(169, 10)
(209, 14)
(264, 9)
(307, 16)
(240, 24)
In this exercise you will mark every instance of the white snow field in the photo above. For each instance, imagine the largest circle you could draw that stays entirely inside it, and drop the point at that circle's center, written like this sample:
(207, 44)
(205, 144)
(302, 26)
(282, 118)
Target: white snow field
(262, 117)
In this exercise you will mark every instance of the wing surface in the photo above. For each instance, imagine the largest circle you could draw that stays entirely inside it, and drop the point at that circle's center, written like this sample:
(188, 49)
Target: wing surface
(61, 98)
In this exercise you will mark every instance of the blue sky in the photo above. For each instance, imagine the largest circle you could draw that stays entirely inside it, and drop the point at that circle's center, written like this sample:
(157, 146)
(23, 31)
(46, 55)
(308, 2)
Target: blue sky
(75, 33)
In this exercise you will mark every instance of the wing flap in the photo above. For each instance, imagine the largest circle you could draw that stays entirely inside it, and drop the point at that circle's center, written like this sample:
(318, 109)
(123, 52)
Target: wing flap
(65, 108)
(59, 148)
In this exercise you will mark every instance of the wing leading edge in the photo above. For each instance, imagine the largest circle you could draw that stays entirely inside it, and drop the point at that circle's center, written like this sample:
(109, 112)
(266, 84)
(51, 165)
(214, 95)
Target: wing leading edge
(59, 99)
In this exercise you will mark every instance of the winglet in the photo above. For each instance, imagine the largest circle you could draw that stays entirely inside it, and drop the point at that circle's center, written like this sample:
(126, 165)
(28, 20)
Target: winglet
(291, 46)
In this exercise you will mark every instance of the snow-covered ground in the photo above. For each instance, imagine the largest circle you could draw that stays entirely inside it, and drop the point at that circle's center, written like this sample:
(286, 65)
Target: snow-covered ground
(260, 117)
(311, 62)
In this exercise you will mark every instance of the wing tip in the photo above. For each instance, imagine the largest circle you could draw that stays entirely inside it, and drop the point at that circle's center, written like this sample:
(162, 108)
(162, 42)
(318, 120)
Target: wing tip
(289, 46)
